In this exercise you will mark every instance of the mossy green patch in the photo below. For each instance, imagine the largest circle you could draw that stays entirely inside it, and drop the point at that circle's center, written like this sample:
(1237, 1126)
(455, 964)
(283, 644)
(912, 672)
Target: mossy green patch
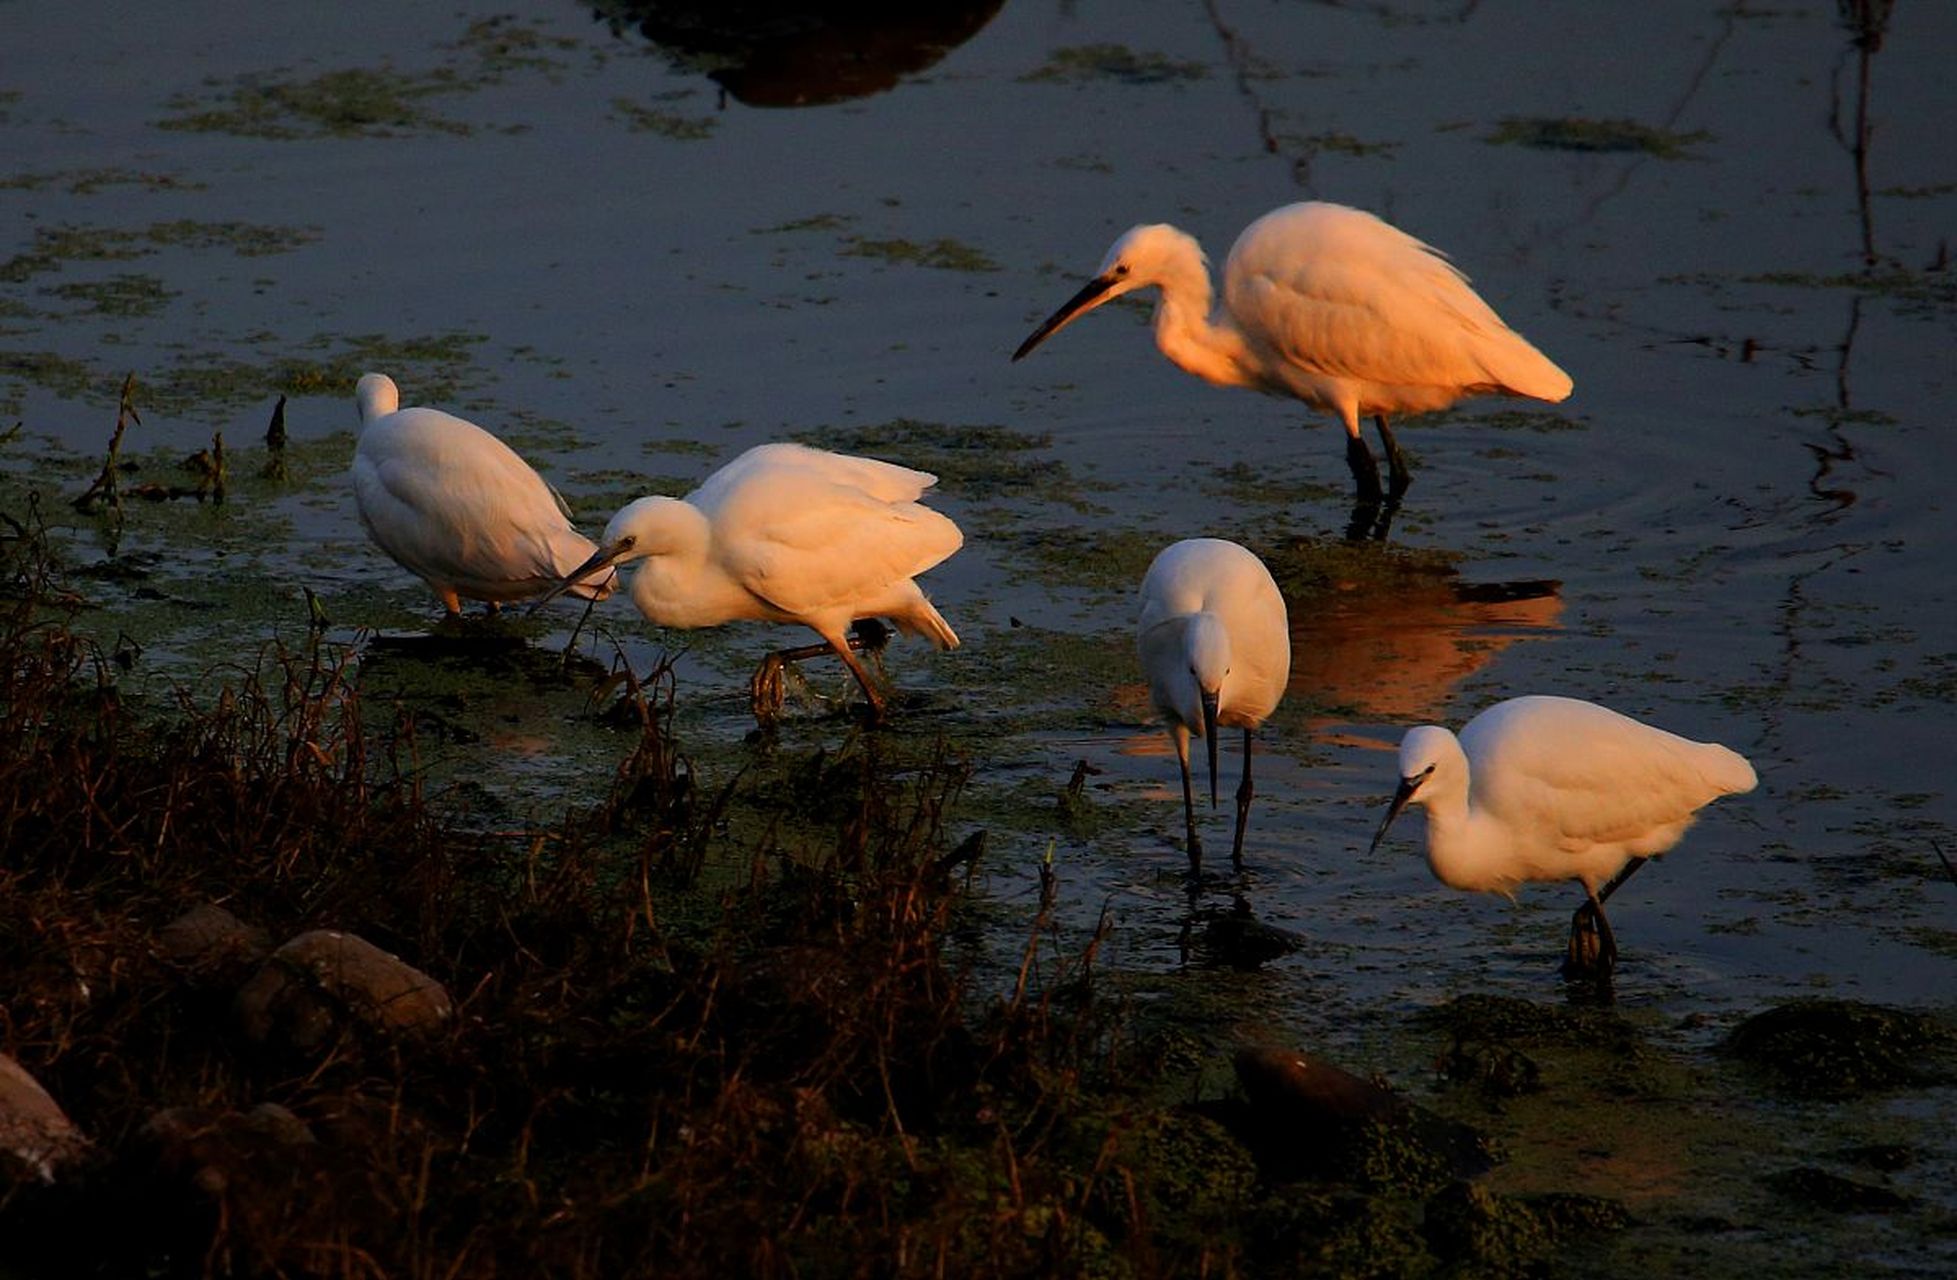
(1087, 62)
(432, 369)
(667, 124)
(54, 246)
(1344, 144)
(350, 102)
(1111, 560)
(85, 182)
(983, 462)
(943, 255)
(1308, 566)
(1841, 1048)
(123, 294)
(1578, 134)
(814, 222)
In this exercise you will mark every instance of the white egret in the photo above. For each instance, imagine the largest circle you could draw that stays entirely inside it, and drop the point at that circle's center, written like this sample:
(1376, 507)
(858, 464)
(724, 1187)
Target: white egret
(1216, 648)
(1545, 788)
(457, 507)
(786, 533)
(1329, 305)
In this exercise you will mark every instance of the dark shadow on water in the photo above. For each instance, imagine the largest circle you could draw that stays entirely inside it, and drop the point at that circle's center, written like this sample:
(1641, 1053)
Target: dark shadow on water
(775, 53)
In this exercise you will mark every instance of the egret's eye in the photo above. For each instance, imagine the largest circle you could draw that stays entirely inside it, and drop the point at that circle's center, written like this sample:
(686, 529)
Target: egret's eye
(1121, 268)
(628, 541)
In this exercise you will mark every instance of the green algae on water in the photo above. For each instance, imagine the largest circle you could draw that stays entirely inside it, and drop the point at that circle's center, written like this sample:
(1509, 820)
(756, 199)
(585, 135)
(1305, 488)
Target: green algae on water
(1577, 134)
(1085, 62)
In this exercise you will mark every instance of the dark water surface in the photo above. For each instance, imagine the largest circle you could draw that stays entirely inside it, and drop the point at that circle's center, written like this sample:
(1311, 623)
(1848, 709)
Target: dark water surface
(583, 241)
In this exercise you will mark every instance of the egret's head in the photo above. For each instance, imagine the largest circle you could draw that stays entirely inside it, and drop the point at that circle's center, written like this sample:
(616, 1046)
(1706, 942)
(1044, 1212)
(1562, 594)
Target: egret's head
(1144, 255)
(1424, 752)
(643, 527)
(376, 396)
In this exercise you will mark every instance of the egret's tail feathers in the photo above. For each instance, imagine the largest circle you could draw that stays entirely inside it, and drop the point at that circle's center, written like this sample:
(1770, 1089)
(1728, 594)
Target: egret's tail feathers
(925, 620)
(1525, 371)
(1728, 770)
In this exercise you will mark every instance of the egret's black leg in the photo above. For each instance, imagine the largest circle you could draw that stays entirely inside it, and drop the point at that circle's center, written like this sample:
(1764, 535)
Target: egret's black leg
(1624, 873)
(866, 634)
(1398, 477)
(1365, 472)
(1243, 809)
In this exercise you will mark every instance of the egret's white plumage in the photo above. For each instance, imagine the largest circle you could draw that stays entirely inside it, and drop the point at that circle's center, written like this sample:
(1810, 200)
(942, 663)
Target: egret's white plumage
(457, 507)
(1215, 646)
(1330, 305)
(786, 533)
(1546, 788)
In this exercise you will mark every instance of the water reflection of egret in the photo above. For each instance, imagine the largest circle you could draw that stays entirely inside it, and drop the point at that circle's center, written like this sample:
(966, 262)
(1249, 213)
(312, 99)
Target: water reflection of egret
(1216, 650)
(457, 507)
(790, 53)
(786, 533)
(1330, 305)
(1543, 788)
(1399, 654)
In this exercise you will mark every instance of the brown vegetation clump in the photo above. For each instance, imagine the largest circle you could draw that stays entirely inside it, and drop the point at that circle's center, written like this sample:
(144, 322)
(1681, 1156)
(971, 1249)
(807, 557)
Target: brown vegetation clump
(773, 1069)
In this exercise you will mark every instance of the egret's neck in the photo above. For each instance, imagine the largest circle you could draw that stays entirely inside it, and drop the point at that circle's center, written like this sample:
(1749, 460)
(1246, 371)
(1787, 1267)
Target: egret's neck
(677, 583)
(1466, 848)
(1212, 349)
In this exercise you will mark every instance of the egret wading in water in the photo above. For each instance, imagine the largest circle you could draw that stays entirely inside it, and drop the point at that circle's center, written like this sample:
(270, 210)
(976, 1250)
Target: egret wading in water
(458, 508)
(1215, 645)
(1543, 788)
(785, 533)
(1331, 306)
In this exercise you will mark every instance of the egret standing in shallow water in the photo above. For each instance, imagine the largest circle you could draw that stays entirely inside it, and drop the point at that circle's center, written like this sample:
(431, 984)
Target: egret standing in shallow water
(457, 507)
(785, 533)
(1543, 788)
(1329, 305)
(1216, 647)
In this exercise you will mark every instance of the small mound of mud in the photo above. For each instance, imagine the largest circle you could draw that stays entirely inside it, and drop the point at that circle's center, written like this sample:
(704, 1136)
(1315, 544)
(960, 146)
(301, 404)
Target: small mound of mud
(1488, 1036)
(1841, 1048)
(1819, 1189)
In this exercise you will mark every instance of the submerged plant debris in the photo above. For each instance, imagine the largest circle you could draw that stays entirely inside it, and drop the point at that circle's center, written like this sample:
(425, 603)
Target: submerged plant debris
(1579, 134)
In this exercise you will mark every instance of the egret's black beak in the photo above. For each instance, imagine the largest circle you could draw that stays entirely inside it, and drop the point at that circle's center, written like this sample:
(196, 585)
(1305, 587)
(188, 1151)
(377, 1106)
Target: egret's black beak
(600, 559)
(1209, 737)
(1401, 798)
(1091, 295)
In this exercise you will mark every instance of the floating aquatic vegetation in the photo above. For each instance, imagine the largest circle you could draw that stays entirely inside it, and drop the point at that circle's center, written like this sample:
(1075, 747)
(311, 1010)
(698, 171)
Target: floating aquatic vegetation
(1578, 134)
(1083, 62)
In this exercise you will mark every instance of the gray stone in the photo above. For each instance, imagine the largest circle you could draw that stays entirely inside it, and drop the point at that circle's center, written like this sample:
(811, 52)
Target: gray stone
(210, 942)
(34, 1130)
(320, 982)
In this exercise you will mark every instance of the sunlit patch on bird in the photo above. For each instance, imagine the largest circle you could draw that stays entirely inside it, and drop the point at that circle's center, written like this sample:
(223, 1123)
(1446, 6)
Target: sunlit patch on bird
(1216, 650)
(1547, 788)
(458, 508)
(1334, 307)
(786, 533)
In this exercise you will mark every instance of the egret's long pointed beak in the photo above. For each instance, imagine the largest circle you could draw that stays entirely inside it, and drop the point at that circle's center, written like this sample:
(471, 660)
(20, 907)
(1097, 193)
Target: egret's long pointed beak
(1091, 295)
(1209, 737)
(600, 559)
(1401, 798)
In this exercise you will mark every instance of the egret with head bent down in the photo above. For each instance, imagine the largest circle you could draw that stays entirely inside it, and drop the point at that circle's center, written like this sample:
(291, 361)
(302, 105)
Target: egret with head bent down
(1215, 645)
(1329, 305)
(1545, 788)
(457, 507)
(786, 533)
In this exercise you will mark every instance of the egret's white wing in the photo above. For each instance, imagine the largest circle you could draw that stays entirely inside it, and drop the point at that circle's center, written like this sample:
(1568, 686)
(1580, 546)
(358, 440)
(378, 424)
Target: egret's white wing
(807, 544)
(1590, 774)
(882, 480)
(450, 500)
(1338, 292)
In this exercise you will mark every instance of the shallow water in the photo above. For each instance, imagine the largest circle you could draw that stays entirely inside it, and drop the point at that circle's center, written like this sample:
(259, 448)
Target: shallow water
(581, 240)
